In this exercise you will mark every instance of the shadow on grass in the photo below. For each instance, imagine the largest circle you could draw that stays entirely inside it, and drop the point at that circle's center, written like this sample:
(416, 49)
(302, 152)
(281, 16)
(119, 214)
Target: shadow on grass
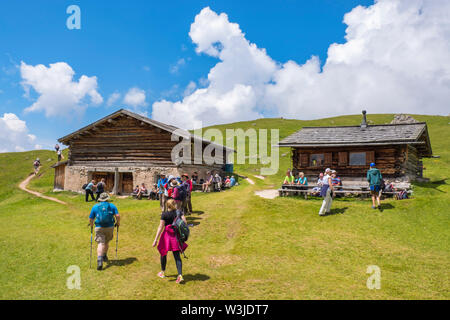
(386, 206)
(120, 263)
(337, 211)
(191, 277)
(198, 212)
(192, 220)
(433, 184)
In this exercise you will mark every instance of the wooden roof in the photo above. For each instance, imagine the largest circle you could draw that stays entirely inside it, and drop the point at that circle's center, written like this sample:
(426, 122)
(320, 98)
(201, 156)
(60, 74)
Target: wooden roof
(386, 134)
(122, 112)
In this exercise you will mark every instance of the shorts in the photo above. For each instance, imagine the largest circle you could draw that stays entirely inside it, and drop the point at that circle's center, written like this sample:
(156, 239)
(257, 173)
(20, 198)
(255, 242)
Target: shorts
(104, 235)
(375, 190)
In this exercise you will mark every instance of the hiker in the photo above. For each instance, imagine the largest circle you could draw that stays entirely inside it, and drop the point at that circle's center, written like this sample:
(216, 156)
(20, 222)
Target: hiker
(227, 181)
(106, 217)
(289, 179)
(209, 181)
(187, 204)
(142, 191)
(179, 194)
(36, 165)
(89, 190)
(232, 181)
(374, 178)
(169, 241)
(335, 179)
(99, 188)
(153, 195)
(302, 180)
(57, 147)
(217, 182)
(316, 190)
(194, 178)
(162, 191)
(325, 192)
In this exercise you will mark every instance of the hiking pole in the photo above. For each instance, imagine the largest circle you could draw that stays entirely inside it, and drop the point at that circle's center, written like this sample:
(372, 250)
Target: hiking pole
(117, 240)
(90, 257)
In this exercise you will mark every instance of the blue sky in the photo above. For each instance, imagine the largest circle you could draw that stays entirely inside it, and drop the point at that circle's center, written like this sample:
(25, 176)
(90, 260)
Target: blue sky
(146, 45)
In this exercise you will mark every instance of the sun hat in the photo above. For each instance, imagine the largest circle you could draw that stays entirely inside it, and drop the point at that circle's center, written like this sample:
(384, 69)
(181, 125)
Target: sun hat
(170, 178)
(103, 197)
(327, 169)
(174, 183)
(185, 175)
(333, 171)
(372, 164)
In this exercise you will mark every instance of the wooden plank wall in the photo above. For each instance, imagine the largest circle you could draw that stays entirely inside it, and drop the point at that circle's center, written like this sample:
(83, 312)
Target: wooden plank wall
(59, 177)
(125, 141)
(390, 160)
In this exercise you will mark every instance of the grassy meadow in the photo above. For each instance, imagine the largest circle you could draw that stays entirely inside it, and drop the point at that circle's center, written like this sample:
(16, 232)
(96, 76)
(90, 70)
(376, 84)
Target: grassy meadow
(241, 246)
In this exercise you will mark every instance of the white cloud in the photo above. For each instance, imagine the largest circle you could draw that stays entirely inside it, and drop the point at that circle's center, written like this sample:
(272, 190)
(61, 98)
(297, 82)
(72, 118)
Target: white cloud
(59, 94)
(113, 98)
(135, 97)
(176, 67)
(395, 59)
(190, 88)
(14, 134)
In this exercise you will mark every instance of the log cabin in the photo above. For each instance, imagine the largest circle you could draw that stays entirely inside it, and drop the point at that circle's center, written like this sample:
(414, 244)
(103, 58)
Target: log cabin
(128, 149)
(396, 149)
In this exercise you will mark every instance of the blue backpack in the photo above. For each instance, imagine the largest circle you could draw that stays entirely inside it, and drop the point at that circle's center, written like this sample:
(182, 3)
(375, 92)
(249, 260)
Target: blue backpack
(104, 217)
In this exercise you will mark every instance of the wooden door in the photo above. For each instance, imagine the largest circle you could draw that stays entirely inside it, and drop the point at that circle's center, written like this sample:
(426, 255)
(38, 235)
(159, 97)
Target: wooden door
(109, 179)
(127, 182)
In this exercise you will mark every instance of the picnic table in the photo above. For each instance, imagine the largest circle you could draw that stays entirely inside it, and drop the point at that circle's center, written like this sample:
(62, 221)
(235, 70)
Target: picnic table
(292, 189)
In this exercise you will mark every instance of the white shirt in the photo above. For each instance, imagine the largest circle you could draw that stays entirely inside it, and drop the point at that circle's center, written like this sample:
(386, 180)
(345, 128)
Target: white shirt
(325, 179)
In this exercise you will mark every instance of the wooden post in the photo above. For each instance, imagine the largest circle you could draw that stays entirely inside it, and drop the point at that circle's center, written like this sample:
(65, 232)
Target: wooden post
(116, 181)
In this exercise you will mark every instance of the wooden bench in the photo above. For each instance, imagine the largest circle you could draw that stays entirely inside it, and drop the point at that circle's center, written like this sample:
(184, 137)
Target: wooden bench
(353, 190)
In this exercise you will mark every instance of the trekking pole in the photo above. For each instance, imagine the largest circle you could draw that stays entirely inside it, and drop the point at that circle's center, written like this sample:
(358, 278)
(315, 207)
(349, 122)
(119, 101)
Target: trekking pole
(117, 240)
(90, 257)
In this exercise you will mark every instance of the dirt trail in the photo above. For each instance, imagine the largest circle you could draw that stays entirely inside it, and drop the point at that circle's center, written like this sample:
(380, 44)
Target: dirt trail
(267, 194)
(23, 185)
(250, 181)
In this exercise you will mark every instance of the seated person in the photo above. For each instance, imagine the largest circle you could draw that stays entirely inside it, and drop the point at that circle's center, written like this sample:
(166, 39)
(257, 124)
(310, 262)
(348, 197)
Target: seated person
(227, 181)
(217, 182)
(302, 180)
(142, 191)
(316, 190)
(136, 190)
(194, 178)
(209, 181)
(153, 193)
(335, 179)
(232, 181)
(289, 179)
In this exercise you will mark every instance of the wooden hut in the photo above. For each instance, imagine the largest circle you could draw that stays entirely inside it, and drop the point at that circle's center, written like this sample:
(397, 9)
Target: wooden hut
(128, 149)
(397, 149)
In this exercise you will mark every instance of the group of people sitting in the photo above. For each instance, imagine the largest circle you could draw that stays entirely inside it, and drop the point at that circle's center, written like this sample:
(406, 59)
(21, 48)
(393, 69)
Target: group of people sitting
(216, 183)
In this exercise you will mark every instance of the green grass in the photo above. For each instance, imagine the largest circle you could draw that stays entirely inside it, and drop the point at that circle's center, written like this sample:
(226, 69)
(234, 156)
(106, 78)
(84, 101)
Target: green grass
(242, 246)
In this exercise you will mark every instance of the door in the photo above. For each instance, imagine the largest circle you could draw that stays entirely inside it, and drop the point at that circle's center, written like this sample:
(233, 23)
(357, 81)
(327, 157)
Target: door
(127, 183)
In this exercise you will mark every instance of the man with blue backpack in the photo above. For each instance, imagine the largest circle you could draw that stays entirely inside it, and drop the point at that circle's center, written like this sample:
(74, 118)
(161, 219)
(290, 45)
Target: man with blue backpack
(375, 179)
(106, 216)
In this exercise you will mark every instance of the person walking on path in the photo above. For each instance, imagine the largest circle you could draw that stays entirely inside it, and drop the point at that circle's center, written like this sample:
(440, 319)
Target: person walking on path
(36, 165)
(89, 190)
(325, 192)
(106, 216)
(99, 188)
(374, 178)
(169, 241)
(162, 192)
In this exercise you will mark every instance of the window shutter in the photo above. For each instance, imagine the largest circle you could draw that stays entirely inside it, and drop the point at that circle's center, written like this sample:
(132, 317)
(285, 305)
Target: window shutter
(304, 159)
(370, 157)
(343, 158)
(328, 159)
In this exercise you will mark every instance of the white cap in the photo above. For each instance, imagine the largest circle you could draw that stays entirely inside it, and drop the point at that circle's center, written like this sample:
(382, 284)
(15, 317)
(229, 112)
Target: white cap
(327, 169)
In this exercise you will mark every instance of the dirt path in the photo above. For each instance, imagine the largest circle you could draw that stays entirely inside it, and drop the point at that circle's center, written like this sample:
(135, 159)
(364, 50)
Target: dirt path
(250, 181)
(267, 194)
(23, 185)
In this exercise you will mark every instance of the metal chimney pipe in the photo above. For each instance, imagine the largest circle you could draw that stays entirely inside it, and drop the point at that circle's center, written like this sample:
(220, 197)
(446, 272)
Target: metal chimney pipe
(364, 122)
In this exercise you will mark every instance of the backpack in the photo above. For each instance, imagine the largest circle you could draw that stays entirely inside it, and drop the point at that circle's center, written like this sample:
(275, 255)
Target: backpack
(36, 163)
(84, 186)
(104, 216)
(181, 195)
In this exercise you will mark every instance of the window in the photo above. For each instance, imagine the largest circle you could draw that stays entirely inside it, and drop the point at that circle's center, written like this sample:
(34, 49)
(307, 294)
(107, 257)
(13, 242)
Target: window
(357, 159)
(316, 160)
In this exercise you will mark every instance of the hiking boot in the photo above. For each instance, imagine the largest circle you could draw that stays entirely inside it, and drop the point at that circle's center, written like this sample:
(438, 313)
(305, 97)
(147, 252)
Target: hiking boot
(161, 274)
(99, 263)
(179, 279)
(105, 258)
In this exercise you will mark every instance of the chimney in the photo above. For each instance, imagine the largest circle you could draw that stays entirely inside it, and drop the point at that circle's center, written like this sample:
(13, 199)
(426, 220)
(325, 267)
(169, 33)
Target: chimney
(364, 121)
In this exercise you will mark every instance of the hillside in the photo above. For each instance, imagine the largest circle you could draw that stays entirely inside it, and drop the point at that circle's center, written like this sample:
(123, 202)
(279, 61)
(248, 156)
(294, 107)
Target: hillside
(241, 246)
